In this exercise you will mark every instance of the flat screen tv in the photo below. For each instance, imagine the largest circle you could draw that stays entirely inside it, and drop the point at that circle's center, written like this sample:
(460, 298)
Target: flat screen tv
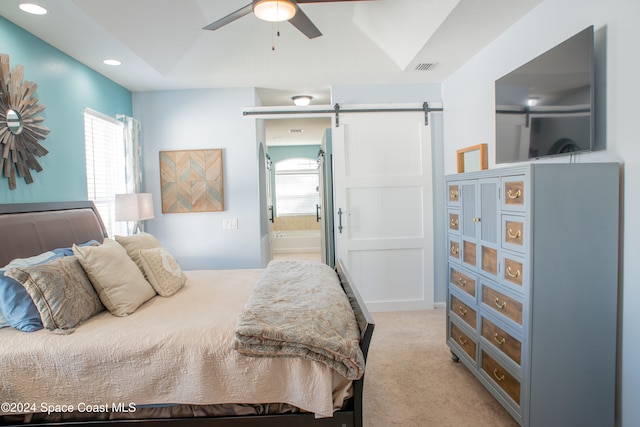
(545, 107)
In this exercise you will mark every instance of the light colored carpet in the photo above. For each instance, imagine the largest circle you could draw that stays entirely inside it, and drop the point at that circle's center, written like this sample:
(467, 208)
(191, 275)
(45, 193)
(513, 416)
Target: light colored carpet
(410, 379)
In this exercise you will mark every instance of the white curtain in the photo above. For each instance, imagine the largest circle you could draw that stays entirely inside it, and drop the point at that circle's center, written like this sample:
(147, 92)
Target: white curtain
(132, 159)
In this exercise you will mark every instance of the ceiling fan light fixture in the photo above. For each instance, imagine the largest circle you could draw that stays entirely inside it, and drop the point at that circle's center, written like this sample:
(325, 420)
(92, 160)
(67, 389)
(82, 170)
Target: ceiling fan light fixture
(302, 100)
(275, 10)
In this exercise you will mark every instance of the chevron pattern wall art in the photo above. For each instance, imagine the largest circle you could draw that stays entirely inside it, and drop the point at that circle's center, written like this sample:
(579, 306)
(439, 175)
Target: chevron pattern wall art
(191, 181)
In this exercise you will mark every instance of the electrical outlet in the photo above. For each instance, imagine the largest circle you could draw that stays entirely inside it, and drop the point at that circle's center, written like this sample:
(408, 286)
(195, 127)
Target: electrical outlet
(230, 223)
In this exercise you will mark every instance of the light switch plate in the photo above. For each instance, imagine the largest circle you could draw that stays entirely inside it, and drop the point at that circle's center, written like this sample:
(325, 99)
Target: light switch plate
(230, 223)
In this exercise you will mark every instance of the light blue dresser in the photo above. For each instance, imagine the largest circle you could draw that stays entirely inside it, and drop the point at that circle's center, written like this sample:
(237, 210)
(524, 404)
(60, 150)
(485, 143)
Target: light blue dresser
(532, 294)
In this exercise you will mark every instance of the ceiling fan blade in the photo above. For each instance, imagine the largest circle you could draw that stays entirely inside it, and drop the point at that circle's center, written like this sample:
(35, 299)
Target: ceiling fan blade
(304, 24)
(230, 17)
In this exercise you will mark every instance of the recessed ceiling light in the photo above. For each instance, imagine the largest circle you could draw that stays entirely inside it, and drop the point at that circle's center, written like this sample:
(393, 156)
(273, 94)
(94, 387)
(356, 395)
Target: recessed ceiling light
(33, 8)
(111, 62)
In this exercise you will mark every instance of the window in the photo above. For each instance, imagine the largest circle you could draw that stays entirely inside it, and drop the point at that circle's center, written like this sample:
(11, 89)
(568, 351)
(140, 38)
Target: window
(297, 187)
(104, 147)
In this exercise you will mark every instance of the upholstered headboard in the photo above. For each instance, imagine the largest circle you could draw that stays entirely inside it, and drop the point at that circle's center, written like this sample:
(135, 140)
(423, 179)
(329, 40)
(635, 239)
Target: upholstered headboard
(29, 229)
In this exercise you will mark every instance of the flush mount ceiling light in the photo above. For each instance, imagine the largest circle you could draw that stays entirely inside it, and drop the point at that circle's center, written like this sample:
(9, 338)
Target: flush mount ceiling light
(111, 62)
(34, 9)
(302, 100)
(274, 10)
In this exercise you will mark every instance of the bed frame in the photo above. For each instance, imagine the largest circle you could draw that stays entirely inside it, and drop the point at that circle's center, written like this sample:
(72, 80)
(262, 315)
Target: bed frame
(33, 228)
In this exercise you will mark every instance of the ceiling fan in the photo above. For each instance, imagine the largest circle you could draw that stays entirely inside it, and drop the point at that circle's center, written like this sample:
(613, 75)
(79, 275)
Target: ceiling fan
(276, 11)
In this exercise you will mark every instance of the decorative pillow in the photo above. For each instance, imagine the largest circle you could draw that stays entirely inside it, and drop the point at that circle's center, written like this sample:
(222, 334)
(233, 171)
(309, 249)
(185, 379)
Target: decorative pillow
(25, 262)
(162, 271)
(119, 282)
(69, 251)
(61, 291)
(16, 306)
(134, 243)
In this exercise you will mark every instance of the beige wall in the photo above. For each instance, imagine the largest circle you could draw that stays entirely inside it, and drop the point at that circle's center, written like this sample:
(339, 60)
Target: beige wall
(298, 222)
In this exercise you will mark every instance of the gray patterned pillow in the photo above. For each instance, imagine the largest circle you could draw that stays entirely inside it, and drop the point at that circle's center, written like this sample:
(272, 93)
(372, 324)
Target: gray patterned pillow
(162, 271)
(61, 291)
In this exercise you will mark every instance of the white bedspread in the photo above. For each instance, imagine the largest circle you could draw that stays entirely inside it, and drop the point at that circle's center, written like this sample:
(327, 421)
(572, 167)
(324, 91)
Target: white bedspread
(171, 350)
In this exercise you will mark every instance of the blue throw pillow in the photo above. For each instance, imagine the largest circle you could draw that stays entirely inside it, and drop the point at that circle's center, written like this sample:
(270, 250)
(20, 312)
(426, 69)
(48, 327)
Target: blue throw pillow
(17, 307)
(69, 251)
(3, 322)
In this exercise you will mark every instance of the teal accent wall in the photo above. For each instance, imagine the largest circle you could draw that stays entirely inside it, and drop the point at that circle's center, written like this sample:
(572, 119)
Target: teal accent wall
(65, 87)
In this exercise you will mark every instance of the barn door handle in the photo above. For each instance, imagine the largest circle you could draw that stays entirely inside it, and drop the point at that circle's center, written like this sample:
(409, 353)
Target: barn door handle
(340, 220)
(318, 213)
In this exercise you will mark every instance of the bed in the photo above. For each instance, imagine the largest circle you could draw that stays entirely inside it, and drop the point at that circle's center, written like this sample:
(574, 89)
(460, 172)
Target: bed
(158, 365)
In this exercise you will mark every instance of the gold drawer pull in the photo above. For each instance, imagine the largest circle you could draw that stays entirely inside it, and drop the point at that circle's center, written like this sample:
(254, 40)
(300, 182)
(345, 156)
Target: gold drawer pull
(453, 222)
(514, 196)
(511, 273)
(500, 306)
(462, 282)
(476, 219)
(499, 340)
(512, 235)
(453, 194)
(462, 340)
(462, 311)
(496, 376)
(455, 250)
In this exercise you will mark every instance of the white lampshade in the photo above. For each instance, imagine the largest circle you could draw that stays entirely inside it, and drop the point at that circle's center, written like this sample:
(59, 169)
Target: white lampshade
(274, 10)
(134, 207)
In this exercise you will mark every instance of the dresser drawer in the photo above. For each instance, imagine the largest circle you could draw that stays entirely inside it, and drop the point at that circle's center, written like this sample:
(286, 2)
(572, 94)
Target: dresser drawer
(501, 377)
(514, 192)
(513, 233)
(463, 340)
(513, 270)
(501, 340)
(463, 311)
(453, 190)
(454, 249)
(463, 281)
(454, 221)
(502, 304)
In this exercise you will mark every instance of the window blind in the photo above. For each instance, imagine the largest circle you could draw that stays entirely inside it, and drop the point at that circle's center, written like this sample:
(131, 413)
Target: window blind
(104, 148)
(297, 187)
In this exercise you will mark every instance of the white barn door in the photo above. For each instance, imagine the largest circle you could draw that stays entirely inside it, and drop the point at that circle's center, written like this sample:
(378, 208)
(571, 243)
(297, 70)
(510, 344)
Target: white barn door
(383, 212)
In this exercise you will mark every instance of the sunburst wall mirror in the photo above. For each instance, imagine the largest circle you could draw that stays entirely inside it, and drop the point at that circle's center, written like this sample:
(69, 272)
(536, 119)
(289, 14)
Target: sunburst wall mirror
(20, 127)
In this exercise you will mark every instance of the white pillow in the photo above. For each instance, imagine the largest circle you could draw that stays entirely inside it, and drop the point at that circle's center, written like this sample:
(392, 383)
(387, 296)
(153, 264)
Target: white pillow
(119, 282)
(134, 243)
(162, 271)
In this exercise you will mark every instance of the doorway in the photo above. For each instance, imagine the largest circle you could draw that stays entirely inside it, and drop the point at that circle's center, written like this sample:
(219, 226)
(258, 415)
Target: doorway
(297, 187)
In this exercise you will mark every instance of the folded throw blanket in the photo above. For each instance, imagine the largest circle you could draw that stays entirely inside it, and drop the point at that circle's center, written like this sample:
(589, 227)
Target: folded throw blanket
(299, 309)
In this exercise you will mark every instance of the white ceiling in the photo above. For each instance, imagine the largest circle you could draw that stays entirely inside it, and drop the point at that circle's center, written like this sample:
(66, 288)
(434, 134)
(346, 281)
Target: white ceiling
(162, 45)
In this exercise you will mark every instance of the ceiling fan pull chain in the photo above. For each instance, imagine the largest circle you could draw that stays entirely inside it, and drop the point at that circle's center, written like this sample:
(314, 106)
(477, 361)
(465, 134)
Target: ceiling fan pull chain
(273, 38)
